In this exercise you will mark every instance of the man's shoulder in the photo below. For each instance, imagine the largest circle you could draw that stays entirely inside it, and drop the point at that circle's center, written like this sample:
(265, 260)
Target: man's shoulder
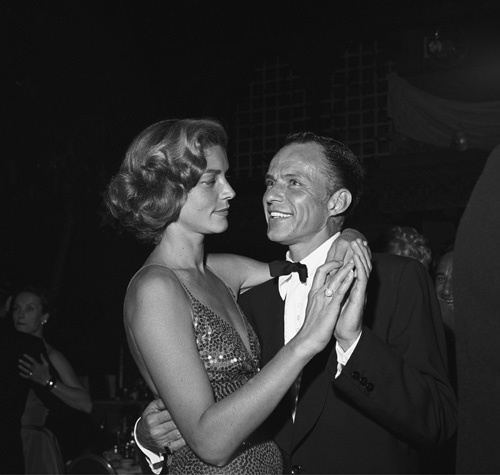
(391, 268)
(261, 291)
(382, 260)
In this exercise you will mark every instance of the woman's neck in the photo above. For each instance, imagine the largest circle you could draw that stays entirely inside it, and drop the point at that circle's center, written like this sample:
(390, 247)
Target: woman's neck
(186, 252)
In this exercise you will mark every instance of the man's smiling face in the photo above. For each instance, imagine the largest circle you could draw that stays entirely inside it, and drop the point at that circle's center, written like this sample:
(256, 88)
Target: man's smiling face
(296, 197)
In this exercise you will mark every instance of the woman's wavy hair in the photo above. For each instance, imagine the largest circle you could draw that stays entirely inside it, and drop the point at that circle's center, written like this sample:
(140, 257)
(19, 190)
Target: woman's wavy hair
(163, 163)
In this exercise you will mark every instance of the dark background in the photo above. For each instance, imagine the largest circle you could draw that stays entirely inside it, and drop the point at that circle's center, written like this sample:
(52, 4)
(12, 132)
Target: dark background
(80, 80)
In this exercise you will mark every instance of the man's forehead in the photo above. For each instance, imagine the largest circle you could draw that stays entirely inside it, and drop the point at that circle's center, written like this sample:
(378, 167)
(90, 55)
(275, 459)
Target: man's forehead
(297, 159)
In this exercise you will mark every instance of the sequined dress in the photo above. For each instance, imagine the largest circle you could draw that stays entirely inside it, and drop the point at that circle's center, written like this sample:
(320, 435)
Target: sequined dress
(229, 366)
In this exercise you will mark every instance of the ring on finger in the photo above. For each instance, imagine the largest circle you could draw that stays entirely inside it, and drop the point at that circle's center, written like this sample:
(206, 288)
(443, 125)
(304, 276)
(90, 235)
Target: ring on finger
(31, 373)
(329, 292)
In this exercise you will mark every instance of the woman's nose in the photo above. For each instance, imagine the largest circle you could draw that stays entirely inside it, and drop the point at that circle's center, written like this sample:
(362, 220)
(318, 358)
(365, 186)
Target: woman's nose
(229, 192)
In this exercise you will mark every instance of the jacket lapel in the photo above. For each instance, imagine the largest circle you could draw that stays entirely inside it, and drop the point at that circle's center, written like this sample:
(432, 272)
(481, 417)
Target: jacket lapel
(313, 393)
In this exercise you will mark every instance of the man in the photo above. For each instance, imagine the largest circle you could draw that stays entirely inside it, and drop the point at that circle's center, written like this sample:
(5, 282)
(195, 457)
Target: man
(380, 389)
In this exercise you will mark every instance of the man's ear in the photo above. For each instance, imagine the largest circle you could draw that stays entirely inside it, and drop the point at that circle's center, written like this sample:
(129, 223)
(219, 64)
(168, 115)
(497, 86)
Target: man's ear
(339, 201)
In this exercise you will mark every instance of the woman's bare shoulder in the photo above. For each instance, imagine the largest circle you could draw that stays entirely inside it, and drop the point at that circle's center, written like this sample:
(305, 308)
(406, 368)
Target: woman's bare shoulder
(153, 287)
(150, 279)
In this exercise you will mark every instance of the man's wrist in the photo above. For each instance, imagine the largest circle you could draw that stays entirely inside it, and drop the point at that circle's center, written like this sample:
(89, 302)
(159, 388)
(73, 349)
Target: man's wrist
(154, 459)
(347, 342)
(343, 356)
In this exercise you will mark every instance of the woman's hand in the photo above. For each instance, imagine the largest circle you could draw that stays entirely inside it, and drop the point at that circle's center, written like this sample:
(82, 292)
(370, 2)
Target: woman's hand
(350, 320)
(341, 249)
(29, 368)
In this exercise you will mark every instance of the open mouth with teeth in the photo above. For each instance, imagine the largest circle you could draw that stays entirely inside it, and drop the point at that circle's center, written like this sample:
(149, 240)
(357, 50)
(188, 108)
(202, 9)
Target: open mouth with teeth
(276, 214)
(449, 301)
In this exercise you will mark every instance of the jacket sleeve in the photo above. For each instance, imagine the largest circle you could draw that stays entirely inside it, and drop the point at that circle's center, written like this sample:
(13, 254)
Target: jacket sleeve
(398, 372)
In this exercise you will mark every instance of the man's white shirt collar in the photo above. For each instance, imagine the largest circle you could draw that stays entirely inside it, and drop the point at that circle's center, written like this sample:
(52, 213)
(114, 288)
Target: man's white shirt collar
(312, 261)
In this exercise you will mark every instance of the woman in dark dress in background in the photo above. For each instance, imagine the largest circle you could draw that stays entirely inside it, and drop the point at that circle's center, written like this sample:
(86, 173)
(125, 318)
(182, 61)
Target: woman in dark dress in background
(55, 386)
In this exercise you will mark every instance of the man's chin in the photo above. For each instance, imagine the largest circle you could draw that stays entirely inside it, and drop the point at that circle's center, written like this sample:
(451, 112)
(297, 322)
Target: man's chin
(273, 235)
(278, 238)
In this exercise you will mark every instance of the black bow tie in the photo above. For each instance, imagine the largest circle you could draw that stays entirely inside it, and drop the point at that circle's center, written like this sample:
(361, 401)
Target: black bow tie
(286, 267)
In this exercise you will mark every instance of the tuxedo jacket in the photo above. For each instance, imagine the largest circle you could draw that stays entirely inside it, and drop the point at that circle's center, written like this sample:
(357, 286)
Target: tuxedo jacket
(391, 398)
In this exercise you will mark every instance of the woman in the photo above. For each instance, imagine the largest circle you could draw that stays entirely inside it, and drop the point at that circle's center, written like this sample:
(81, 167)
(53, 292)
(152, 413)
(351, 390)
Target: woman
(54, 383)
(189, 339)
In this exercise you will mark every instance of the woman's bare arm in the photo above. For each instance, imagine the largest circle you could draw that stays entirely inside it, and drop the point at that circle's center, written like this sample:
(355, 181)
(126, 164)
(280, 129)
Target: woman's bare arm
(241, 273)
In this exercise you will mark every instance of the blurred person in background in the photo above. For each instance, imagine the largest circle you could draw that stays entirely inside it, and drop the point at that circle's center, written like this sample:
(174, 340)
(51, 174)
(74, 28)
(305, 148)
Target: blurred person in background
(55, 387)
(404, 241)
(14, 393)
(442, 460)
(443, 278)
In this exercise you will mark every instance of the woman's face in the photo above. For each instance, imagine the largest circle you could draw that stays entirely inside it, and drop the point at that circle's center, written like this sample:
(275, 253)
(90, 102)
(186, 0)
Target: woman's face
(444, 279)
(207, 206)
(28, 315)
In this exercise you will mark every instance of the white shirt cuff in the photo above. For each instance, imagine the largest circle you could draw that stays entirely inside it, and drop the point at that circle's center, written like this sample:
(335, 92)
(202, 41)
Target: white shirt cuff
(155, 460)
(343, 356)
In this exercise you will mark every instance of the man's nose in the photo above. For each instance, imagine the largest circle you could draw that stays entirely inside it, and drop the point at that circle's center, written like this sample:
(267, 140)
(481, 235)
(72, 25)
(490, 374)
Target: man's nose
(274, 193)
(448, 287)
